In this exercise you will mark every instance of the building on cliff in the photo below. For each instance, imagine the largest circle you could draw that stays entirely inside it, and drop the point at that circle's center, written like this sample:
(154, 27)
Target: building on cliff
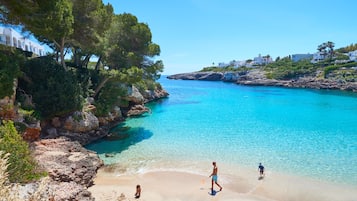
(10, 37)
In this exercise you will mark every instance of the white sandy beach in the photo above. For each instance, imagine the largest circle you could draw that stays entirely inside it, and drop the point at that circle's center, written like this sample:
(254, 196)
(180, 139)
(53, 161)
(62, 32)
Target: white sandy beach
(184, 186)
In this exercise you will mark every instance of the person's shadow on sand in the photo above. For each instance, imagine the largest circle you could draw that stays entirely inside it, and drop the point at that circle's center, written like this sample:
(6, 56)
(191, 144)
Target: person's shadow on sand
(213, 192)
(261, 177)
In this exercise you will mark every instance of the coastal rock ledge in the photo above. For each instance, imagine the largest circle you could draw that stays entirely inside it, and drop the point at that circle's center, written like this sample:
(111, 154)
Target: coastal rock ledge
(257, 78)
(71, 168)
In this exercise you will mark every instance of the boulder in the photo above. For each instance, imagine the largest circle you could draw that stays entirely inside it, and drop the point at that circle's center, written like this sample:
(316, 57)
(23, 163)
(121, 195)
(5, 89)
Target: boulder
(81, 122)
(114, 115)
(137, 110)
(150, 95)
(135, 96)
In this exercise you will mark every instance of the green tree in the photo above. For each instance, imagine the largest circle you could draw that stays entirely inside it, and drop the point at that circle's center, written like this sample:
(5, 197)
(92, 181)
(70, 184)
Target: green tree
(130, 43)
(51, 21)
(330, 45)
(322, 49)
(129, 52)
(91, 21)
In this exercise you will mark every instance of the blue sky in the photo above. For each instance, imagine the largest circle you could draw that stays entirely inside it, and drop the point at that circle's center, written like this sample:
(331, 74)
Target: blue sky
(193, 34)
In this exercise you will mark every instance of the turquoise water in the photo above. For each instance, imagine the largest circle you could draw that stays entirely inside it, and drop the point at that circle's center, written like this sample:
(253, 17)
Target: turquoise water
(309, 133)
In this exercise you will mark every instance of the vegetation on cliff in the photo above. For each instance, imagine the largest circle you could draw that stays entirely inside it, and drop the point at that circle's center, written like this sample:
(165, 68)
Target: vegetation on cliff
(97, 56)
(334, 66)
(21, 166)
(89, 31)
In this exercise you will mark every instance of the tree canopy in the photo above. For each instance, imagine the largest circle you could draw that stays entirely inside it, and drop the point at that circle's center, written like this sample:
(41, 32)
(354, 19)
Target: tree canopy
(85, 30)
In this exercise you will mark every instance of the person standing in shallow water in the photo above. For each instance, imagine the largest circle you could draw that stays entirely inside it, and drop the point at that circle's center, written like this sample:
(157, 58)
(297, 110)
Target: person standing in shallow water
(215, 177)
(261, 170)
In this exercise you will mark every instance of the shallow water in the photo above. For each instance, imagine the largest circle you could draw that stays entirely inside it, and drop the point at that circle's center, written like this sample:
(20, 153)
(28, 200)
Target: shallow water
(309, 133)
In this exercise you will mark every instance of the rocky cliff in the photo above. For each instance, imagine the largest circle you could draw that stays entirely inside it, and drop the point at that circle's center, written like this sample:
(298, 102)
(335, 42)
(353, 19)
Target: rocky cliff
(59, 149)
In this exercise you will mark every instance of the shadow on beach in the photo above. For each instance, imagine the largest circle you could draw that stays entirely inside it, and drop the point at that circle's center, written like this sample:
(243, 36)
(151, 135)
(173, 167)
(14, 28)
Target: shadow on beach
(213, 192)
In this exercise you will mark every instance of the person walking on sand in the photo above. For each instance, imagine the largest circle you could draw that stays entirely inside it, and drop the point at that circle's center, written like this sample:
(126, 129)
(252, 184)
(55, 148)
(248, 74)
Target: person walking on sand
(215, 177)
(261, 170)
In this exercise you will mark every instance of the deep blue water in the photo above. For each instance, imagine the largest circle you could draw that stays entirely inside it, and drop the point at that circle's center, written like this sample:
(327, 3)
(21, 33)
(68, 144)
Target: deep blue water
(310, 133)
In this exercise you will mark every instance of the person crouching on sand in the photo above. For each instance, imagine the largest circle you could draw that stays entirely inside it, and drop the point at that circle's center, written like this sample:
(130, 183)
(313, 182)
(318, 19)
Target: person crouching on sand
(215, 177)
(138, 191)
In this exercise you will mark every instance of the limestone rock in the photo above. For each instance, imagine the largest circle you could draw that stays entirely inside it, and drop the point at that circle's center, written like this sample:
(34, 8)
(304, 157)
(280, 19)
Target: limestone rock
(46, 189)
(135, 96)
(81, 122)
(67, 161)
(137, 110)
(150, 95)
(114, 115)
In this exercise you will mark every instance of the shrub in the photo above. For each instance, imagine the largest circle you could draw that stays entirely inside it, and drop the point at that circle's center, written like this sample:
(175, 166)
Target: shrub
(329, 69)
(22, 167)
(55, 91)
(10, 60)
(5, 188)
(287, 69)
(109, 97)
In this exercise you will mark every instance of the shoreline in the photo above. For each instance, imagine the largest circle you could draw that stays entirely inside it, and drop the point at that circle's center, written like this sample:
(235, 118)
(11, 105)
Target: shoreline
(185, 185)
(257, 77)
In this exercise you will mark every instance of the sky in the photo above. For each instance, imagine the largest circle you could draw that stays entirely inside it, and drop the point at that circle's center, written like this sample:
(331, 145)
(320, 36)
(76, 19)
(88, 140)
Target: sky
(193, 34)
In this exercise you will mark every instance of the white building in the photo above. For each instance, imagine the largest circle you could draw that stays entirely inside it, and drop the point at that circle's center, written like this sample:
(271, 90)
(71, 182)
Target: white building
(299, 57)
(319, 56)
(353, 55)
(262, 60)
(10, 37)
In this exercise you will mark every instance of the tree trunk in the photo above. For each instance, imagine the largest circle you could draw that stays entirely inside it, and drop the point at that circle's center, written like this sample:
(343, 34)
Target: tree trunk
(62, 54)
(86, 61)
(100, 86)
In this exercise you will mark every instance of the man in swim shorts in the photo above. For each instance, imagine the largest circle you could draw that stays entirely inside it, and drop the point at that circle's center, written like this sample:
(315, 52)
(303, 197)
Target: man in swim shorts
(215, 177)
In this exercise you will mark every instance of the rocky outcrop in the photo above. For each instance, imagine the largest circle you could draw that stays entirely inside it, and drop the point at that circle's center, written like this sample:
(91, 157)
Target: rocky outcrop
(208, 76)
(81, 122)
(115, 115)
(71, 168)
(58, 149)
(136, 105)
(135, 96)
(72, 161)
(47, 189)
(256, 77)
(151, 95)
(137, 110)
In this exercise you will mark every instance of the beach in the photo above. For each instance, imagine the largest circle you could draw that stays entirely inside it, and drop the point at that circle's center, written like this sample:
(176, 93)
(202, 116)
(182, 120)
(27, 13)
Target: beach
(186, 186)
(304, 138)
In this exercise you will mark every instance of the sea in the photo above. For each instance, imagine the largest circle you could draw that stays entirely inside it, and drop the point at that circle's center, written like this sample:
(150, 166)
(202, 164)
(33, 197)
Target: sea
(304, 132)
